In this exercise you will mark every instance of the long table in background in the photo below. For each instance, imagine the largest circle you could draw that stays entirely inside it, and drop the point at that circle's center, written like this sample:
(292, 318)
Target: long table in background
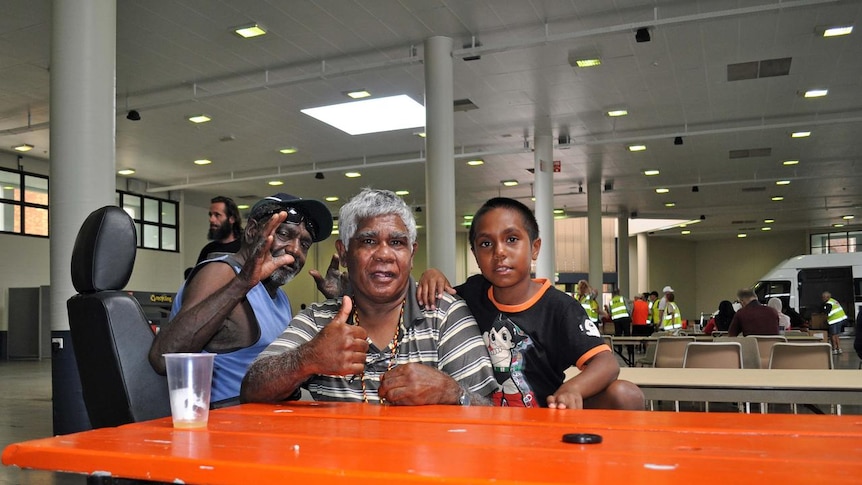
(355, 443)
(810, 386)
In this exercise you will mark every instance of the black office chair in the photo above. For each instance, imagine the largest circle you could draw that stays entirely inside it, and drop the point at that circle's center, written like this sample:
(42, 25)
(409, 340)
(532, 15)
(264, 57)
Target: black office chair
(110, 333)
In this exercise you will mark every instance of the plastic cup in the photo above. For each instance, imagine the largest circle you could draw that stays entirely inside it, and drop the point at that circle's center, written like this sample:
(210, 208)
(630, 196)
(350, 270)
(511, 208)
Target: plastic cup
(190, 378)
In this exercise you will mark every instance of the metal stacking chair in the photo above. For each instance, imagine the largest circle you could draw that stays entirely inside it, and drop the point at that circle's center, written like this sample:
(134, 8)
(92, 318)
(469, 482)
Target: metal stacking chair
(815, 355)
(712, 355)
(764, 346)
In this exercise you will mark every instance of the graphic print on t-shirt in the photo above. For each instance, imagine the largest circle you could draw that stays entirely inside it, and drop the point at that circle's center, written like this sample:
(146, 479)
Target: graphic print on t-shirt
(507, 345)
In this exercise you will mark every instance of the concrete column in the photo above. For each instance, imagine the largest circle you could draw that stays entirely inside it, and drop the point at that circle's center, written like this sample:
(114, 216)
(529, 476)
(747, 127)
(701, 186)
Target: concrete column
(594, 227)
(623, 254)
(83, 173)
(440, 165)
(544, 191)
(643, 263)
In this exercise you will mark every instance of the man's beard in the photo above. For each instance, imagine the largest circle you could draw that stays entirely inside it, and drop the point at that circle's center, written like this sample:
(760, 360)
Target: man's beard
(283, 275)
(221, 232)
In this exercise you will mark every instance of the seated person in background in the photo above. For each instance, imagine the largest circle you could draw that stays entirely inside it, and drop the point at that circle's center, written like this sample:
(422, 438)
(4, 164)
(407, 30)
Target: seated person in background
(233, 305)
(722, 318)
(753, 318)
(534, 331)
(376, 345)
(783, 320)
(225, 229)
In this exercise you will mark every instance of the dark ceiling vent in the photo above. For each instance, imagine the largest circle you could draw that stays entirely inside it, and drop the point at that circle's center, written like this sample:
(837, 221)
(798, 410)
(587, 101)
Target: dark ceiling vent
(759, 69)
(464, 105)
(754, 189)
(750, 153)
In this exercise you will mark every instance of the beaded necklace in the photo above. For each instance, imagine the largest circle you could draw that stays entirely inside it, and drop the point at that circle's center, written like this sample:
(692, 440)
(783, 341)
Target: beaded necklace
(392, 347)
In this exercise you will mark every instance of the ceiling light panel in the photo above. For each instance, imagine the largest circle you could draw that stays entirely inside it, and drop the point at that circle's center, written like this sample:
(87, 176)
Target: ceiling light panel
(250, 31)
(372, 115)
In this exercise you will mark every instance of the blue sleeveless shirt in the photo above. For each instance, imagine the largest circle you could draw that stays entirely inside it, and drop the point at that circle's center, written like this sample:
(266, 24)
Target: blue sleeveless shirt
(272, 314)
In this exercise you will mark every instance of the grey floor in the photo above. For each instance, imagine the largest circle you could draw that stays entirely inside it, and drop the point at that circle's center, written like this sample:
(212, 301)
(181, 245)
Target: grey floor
(25, 411)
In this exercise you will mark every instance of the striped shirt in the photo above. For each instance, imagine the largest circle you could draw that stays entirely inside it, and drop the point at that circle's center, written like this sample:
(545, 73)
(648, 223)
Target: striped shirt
(447, 339)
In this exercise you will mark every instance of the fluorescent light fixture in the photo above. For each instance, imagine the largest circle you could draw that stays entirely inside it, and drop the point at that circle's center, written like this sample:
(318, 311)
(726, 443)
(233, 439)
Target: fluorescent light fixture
(768, 221)
(588, 62)
(420, 134)
(203, 161)
(661, 190)
(782, 182)
(650, 173)
(126, 171)
(402, 192)
(372, 115)
(331, 198)
(848, 217)
(800, 134)
(685, 232)
(275, 183)
(25, 147)
(670, 204)
(837, 224)
(468, 217)
(199, 118)
(777, 198)
(352, 175)
(243, 207)
(358, 94)
(790, 162)
(837, 31)
(509, 183)
(741, 235)
(249, 31)
(559, 211)
(637, 148)
(476, 162)
(617, 112)
(765, 228)
(815, 93)
(288, 150)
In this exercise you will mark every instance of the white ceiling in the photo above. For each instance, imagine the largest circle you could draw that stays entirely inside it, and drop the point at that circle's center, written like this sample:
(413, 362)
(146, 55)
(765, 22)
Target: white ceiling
(178, 57)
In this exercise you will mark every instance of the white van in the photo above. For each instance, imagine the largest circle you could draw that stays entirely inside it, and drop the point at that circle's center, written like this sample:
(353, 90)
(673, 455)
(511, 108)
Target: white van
(801, 280)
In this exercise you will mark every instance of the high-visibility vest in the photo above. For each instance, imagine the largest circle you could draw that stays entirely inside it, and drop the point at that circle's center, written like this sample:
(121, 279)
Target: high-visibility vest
(836, 314)
(618, 308)
(590, 306)
(654, 312)
(672, 318)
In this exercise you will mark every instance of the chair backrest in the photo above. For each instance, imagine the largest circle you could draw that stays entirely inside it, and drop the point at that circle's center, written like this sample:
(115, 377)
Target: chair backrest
(719, 333)
(791, 333)
(715, 355)
(670, 351)
(750, 350)
(609, 341)
(110, 332)
(811, 355)
(764, 346)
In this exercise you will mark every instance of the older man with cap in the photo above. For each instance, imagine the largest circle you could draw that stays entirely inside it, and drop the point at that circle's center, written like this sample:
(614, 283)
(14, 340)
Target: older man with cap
(662, 304)
(233, 305)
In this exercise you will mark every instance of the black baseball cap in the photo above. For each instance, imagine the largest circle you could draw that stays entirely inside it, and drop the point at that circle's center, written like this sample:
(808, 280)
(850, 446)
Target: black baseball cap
(314, 210)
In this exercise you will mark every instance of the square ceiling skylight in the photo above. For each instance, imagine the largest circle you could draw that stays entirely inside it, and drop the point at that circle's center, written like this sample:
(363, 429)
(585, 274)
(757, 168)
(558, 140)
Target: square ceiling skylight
(372, 115)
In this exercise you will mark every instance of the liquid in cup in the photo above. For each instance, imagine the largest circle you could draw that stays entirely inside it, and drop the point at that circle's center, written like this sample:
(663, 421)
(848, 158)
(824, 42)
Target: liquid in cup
(189, 383)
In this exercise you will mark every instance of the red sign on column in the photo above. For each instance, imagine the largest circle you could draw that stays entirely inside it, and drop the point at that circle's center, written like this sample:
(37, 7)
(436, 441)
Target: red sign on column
(556, 166)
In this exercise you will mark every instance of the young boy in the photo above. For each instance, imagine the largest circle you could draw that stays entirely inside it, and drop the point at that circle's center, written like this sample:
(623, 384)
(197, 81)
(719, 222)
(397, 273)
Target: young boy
(534, 332)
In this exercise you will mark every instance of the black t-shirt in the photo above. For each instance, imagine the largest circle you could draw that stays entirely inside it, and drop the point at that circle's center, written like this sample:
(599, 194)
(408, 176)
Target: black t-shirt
(218, 247)
(531, 344)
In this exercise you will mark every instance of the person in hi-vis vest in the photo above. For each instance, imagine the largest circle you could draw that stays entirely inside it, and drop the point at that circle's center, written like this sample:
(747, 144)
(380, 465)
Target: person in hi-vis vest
(671, 315)
(584, 294)
(835, 317)
(618, 308)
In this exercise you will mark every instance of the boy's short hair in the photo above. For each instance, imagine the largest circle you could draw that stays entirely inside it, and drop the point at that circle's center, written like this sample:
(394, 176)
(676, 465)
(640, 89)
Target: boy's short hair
(530, 223)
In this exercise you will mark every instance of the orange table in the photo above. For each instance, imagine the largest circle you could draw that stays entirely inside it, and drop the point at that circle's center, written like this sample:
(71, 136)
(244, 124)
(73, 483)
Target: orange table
(356, 443)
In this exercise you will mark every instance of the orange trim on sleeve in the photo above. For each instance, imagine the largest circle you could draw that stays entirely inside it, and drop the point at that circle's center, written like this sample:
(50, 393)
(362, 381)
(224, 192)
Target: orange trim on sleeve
(590, 354)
